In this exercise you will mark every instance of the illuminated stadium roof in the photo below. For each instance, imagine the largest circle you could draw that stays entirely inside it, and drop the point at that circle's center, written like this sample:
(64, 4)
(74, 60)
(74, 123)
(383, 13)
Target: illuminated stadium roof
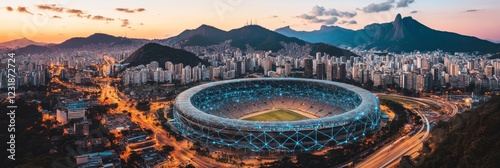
(209, 113)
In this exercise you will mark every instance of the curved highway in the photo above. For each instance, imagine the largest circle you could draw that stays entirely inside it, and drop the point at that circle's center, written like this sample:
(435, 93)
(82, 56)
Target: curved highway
(389, 154)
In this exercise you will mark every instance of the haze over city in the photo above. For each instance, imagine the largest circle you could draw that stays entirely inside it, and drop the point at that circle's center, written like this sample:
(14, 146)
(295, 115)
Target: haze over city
(56, 21)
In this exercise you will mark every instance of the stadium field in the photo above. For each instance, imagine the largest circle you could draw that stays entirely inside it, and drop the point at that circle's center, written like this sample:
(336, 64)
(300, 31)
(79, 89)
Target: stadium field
(277, 115)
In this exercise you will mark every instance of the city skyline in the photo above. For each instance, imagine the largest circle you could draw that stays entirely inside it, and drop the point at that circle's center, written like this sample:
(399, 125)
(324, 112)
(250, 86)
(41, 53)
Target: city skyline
(54, 22)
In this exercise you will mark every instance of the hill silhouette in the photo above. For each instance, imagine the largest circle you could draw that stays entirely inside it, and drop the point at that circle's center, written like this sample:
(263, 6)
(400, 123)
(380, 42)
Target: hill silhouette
(78, 42)
(156, 52)
(97, 38)
(210, 35)
(18, 43)
(333, 35)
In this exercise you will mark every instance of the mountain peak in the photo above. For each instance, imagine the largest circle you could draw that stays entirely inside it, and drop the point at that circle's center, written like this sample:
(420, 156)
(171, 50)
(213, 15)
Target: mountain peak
(203, 30)
(160, 53)
(151, 45)
(254, 26)
(204, 26)
(285, 28)
(398, 18)
(100, 35)
(96, 38)
(398, 28)
(19, 43)
(327, 28)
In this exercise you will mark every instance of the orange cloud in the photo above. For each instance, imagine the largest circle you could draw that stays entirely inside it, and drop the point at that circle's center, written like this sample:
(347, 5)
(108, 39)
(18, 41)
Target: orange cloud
(125, 22)
(130, 10)
(82, 14)
(97, 17)
(9, 9)
(23, 10)
(51, 7)
(77, 12)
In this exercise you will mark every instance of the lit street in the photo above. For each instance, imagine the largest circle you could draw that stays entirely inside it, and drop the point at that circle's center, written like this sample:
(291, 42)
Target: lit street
(392, 152)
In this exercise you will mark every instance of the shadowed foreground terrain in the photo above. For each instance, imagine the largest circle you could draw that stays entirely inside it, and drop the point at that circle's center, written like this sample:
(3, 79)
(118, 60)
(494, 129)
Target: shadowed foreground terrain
(471, 139)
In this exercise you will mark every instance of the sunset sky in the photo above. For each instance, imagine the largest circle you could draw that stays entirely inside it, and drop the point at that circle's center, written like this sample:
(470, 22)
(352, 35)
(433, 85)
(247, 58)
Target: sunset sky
(54, 21)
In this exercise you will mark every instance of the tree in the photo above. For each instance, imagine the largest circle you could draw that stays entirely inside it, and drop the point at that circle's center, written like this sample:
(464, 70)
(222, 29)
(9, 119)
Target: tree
(369, 84)
(285, 162)
(133, 157)
(167, 148)
(125, 132)
(149, 131)
(143, 106)
(310, 160)
(113, 106)
(260, 70)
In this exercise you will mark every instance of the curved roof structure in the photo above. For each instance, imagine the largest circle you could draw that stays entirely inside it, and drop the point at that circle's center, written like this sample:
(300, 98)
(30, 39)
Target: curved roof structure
(360, 111)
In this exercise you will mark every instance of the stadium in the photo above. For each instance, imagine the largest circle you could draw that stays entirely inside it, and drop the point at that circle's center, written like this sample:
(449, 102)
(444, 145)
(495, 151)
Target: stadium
(275, 114)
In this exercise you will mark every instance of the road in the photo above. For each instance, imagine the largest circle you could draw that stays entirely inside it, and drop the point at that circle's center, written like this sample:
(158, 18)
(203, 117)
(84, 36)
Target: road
(449, 107)
(181, 153)
(388, 155)
(110, 95)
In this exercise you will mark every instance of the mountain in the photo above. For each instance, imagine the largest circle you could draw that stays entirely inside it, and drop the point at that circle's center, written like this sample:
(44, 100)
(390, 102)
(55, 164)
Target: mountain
(32, 49)
(156, 52)
(205, 34)
(19, 43)
(333, 35)
(403, 34)
(259, 38)
(97, 38)
(470, 139)
(495, 56)
(330, 50)
(255, 36)
(407, 34)
(103, 40)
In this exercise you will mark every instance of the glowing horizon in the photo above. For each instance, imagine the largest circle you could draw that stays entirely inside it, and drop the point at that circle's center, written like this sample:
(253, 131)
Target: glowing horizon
(56, 21)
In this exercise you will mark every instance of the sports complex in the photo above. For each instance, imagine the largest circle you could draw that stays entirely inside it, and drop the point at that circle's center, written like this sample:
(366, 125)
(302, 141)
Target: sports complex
(275, 114)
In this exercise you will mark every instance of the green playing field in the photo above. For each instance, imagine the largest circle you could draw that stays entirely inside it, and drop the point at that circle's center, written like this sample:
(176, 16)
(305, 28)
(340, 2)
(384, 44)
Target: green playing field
(278, 115)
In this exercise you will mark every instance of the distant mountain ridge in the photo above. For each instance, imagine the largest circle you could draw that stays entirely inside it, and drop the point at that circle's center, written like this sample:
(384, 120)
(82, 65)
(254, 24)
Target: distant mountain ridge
(204, 31)
(324, 35)
(97, 38)
(160, 53)
(19, 43)
(257, 37)
(33, 49)
(254, 36)
(78, 42)
(403, 34)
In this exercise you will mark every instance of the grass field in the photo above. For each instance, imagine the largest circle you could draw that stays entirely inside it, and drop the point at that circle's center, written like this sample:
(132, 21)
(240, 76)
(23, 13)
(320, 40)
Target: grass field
(278, 115)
